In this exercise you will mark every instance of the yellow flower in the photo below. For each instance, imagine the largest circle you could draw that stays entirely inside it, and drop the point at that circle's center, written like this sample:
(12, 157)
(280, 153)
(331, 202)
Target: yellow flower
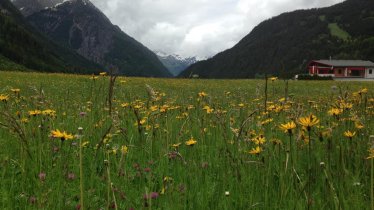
(359, 125)
(288, 127)
(153, 108)
(335, 111)
(255, 151)
(137, 106)
(124, 105)
(267, 121)
(24, 120)
(349, 134)
(61, 135)
(202, 94)
(208, 109)
(176, 145)
(35, 112)
(4, 98)
(363, 91)
(259, 140)
(49, 112)
(371, 153)
(191, 142)
(308, 122)
(85, 144)
(124, 149)
(143, 121)
(273, 78)
(344, 105)
(15, 90)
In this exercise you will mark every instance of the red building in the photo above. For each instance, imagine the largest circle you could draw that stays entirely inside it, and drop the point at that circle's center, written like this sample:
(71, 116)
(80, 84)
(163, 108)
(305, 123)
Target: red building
(342, 68)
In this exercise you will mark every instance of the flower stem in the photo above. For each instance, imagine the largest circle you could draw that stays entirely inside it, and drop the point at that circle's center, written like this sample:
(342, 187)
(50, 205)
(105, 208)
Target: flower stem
(81, 173)
(372, 184)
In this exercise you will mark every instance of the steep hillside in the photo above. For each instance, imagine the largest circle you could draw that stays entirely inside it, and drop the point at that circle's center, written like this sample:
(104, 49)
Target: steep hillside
(22, 47)
(283, 45)
(82, 27)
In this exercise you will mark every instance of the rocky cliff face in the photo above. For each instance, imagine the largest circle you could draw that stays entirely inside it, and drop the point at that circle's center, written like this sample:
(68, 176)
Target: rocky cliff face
(21, 45)
(81, 26)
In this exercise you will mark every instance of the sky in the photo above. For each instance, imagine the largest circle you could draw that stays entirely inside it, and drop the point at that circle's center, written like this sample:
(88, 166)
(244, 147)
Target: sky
(200, 28)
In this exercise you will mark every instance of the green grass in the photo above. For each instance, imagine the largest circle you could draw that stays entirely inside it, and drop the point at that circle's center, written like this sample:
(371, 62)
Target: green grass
(335, 30)
(150, 115)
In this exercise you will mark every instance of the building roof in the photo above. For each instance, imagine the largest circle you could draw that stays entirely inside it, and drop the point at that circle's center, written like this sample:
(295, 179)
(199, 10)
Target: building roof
(346, 63)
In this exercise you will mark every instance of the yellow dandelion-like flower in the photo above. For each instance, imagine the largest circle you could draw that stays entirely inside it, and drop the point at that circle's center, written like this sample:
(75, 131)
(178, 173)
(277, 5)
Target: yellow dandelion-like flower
(335, 111)
(176, 145)
(202, 94)
(208, 109)
(349, 134)
(35, 112)
(124, 149)
(259, 140)
(267, 121)
(4, 98)
(15, 90)
(137, 106)
(255, 151)
(153, 108)
(24, 120)
(191, 142)
(61, 135)
(371, 154)
(49, 112)
(363, 91)
(288, 127)
(273, 78)
(308, 122)
(359, 125)
(85, 144)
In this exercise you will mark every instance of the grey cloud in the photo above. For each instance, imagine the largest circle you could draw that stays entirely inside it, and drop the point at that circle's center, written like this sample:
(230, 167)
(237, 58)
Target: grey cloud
(195, 27)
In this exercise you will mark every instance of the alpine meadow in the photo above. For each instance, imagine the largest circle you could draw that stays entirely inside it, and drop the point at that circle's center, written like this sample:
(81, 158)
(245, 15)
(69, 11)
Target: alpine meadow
(106, 142)
(187, 105)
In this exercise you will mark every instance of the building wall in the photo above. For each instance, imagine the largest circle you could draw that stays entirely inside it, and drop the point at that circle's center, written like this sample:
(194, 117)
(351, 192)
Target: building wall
(369, 73)
(339, 72)
(356, 72)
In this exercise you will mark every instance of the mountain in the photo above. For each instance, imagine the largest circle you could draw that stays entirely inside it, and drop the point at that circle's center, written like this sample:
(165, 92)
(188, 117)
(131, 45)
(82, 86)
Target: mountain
(28, 7)
(23, 48)
(79, 25)
(283, 45)
(175, 63)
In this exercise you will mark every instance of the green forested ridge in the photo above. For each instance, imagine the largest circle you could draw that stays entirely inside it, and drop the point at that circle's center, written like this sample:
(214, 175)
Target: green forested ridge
(283, 45)
(21, 45)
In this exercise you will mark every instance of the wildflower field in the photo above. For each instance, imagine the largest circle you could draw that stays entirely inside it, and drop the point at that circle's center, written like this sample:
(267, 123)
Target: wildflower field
(101, 142)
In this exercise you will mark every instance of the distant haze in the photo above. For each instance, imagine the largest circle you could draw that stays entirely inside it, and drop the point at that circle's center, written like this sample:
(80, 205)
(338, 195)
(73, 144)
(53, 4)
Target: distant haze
(199, 28)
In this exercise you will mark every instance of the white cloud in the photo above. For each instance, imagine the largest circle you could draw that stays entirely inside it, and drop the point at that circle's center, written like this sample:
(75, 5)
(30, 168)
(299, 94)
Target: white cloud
(195, 27)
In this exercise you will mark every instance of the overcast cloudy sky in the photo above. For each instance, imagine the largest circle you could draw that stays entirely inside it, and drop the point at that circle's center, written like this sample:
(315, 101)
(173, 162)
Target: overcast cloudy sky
(195, 27)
